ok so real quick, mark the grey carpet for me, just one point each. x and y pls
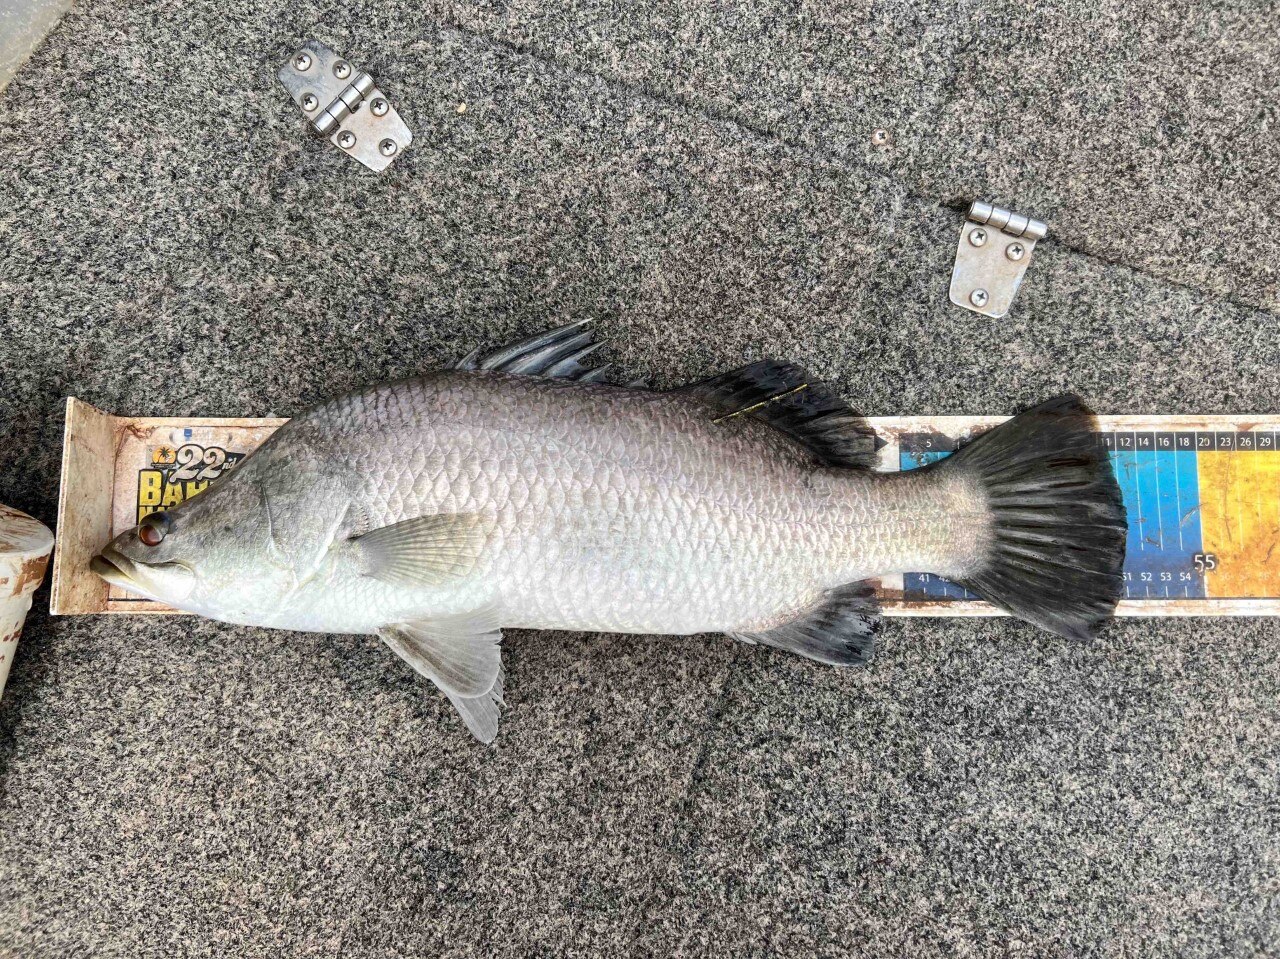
(701, 178)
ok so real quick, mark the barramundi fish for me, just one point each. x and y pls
(516, 489)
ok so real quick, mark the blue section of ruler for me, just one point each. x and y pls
(1159, 481)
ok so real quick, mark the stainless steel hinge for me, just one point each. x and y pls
(345, 105)
(995, 248)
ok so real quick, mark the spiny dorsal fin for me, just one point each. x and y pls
(462, 655)
(840, 630)
(789, 399)
(557, 353)
(425, 551)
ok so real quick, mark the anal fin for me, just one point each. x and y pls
(840, 630)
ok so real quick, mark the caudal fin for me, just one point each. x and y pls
(1058, 524)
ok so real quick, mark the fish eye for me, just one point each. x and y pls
(152, 529)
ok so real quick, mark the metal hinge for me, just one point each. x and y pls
(344, 104)
(995, 248)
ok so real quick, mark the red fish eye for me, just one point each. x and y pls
(150, 535)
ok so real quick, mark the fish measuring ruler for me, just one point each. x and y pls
(1203, 499)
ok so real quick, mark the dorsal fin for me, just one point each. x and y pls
(789, 399)
(839, 630)
(557, 353)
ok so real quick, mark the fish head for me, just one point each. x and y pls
(139, 561)
(215, 554)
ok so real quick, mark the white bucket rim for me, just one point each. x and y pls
(22, 535)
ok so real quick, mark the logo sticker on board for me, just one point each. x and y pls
(178, 473)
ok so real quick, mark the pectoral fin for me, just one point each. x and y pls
(463, 656)
(425, 551)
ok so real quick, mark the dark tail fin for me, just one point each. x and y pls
(1058, 523)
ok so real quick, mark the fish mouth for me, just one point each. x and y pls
(142, 578)
(113, 567)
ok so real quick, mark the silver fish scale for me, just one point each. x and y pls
(623, 510)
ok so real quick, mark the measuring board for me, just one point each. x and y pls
(1202, 494)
